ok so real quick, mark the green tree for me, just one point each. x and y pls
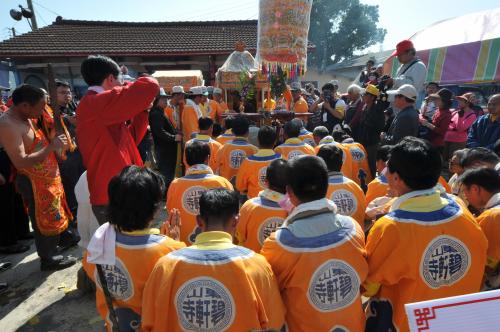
(338, 28)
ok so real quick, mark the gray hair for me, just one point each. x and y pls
(354, 88)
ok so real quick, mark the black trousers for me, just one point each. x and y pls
(13, 217)
(166, 161)
(71, 169)
(371, 150)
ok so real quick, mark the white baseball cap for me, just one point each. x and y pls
(334, 82)
(177, 89)
(218, 91)
(196, 90)
(406, 90)
(204, 90)
(295, 86)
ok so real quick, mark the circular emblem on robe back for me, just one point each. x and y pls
(346, 202)
(294, 153)
(236, 158)
(333, 286)
(357, 154)
(339, 328)
(204, 304)
(191, 199)
(262, 176)
(118, 279)
(267, 227)
(445, 261)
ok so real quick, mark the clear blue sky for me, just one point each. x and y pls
(400, 18)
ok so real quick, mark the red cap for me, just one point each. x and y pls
(402, 46)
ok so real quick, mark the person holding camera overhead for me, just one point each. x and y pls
(332, 107)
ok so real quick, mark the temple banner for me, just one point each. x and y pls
(282, 36)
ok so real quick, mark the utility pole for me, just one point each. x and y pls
(34, 26)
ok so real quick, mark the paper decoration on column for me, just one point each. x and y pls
(282, 36)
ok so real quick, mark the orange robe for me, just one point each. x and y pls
(361, 173)
(226, 137)
(427, 247)
(307, 137)
(348, 197)
(184, 194)
(252, 173)
(346, 155)
(214, 149)
(377, 188)
(489, 221)
(259, 217)
(190, 116)
(126, 279)
(294, 147)
(319, 275)
(231, 155)
(213, 285)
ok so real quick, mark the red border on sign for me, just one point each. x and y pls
(424, 315)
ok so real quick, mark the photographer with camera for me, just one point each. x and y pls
(412, 70)
(332, 108)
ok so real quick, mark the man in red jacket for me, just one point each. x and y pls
(111, 121)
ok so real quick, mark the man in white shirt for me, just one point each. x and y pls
(412, 70)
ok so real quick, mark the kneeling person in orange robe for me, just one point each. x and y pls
(134, 196)
(427, 247)
(184, 193)
(252, 173)
(482, 189)
(321, 137)
(379, 186)
(213, 285)
(205, 136)
(293, 145)
(262, 215)
(344, 192)
(232, 153)
(228, 133)
(317, 256)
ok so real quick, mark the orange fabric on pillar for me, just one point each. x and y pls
(252, 173)
(213, 285)
(126, 279)
(294, 147)
(259, 217)
(231, 155)
(348, 197)
(184, 194)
